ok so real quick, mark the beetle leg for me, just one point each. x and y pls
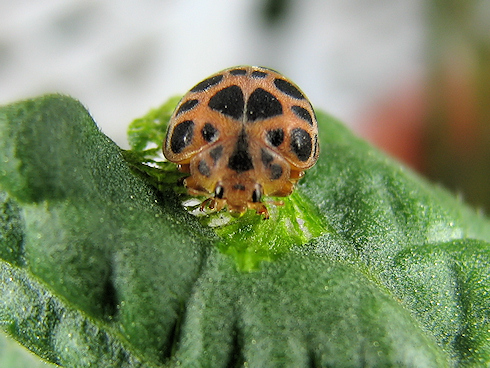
(259, 208)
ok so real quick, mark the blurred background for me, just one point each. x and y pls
(411, 76)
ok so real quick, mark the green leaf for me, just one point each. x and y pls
(148, 132)
(105, 262)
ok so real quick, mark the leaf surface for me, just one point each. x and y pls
(101, 264)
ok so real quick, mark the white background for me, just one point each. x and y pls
(120, 58)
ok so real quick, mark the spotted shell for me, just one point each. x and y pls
(243, 133)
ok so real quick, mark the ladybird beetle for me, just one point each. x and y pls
(243, 133)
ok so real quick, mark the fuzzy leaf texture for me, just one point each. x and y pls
(366, 265)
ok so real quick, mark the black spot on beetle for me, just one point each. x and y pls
(302, 113)
(182, 136)
(262, 105)
(204, 168)
(315, 152)
(285, 87)
(228, 101)
(207, 83)
(219, 191)
(258, 74)
(256, 195)
(276, 171)
(266, 157)
(238, 72)
(209, 132)
(275, 137)
(301, 144)
(216, 153)
(241, 160)
(240, 187)
(186, 106)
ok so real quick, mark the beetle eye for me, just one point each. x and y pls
(219, 191)
(256, 195)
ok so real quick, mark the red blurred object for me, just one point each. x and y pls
(396, 125)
